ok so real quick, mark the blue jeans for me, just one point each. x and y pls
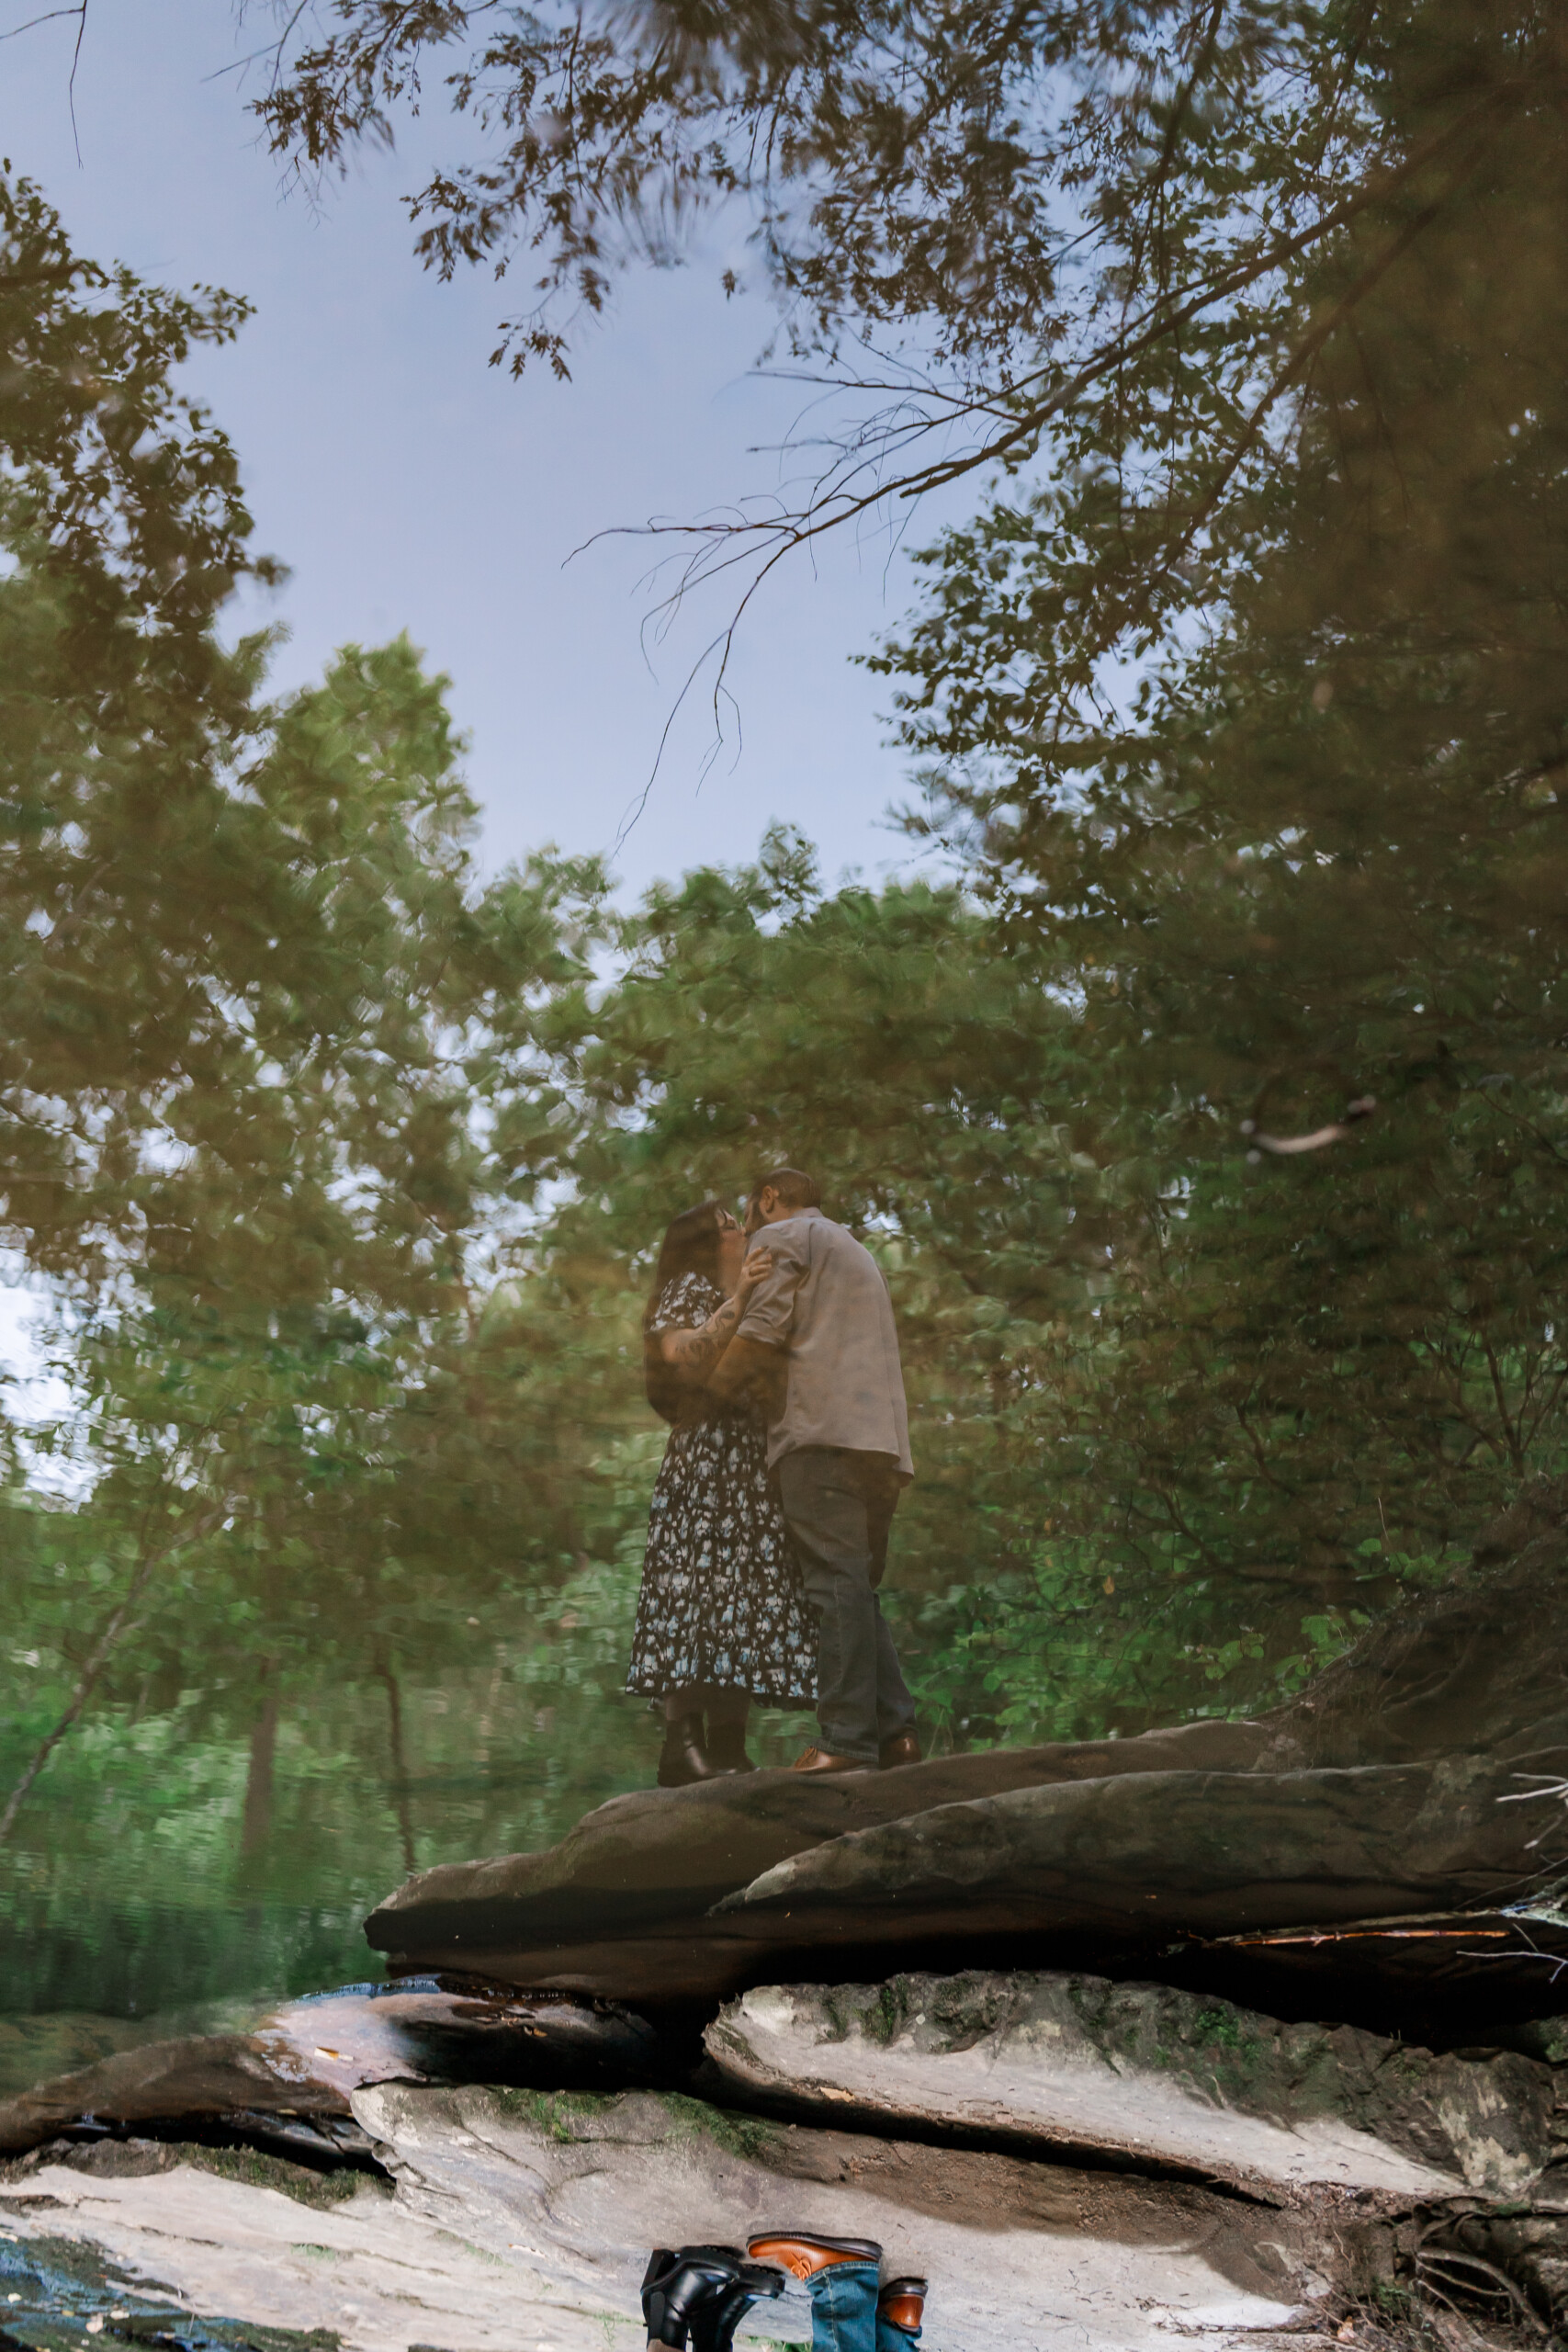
(844, 2317)
(837, 1504)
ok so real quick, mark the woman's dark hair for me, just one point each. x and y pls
(690, 1247)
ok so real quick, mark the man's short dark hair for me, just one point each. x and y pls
(794, 1187)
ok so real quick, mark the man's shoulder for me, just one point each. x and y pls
(837, 1241)
(815, 1237)
(813, 1225)
(788, 1233)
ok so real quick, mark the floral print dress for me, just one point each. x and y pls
(721, 1599)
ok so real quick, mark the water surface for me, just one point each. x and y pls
(191, 1853)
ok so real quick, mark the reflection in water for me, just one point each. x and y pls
(157, 1867)
(51, 2284)
(340, 1162)
(399, 1761)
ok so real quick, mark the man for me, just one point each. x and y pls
(817, 1338)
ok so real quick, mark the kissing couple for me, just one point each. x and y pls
(770, 1348)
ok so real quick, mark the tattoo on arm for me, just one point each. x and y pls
(697, 1352)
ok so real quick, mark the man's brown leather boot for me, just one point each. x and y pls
(803, 2256)
(817, 1759)
(904, 1747)
(903, 2301)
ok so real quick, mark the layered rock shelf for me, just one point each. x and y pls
(1393, 1827)
(513, 2219)
(1064, 2155)
(1162, 2079)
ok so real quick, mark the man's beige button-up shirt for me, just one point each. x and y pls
(825, 1304)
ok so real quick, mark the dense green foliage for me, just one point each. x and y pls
(1244, 714)
(269, 1089)
(1319, 856)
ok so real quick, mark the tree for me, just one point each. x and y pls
(1263, 639)
(1306, 855)
(270, 1081)
(120, 713)
(1082, 237)
(1318, 858)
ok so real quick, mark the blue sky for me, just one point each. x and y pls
(409, 485)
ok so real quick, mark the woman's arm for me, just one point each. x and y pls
(697, 1353)
(753, 1366)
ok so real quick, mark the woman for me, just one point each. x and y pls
(721, 1618)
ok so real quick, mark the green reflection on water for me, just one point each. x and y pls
(179, 1863)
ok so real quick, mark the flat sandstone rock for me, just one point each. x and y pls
(1144, 2072)
(521, 2223)
(1203, 1853)
(302, 2061)
(642, 1870)
(628, 1903)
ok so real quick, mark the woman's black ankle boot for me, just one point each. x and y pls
(716, 2316)
(684, 1759)
(727, 1746)
(680, 2288)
